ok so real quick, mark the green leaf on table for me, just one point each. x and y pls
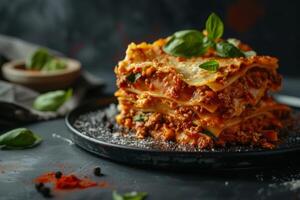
(52, 101)
(210, 65)
(214, 27)
(54, 64)
(19, 138)
(129, 196)
(227, 50)
(186, 43)
(38, 59)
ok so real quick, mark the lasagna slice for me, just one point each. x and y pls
(172, 98)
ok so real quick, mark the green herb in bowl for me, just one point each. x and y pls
(42, 60)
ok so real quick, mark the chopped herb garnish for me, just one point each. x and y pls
(249, 53)
(211, 65)
(140, 117)
(187, 43)
(210, 134)
(129, 196)
(225, 49)
(214, 27)
(234, 41)
(133, 77)
(19, 138)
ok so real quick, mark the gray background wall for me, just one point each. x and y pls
(97, 31)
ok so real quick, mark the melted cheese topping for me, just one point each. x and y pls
(230, 69)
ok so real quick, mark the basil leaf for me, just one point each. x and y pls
(225, 49)
(51, 101)
(38, 59)
(129, 196)
(234, 41)
(54, 64)
(249, 53)
(187, 43)
(140, 117)
(208, 43)
(214, 26)
(19, 138)
(133, 77)
(210, 134)
(210, 65)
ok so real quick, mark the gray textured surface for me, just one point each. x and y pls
(19, 168)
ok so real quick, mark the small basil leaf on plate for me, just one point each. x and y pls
(133, 77)
(208, 43)
(52, 101)
(140, 117)
(234, 41)
(249, 53)
(54, 64)
(214, 27)
(129, 196)
(186, 43)
(210, 134)
(227, 50)
(38, 59)
(19, 138)
(210, 65)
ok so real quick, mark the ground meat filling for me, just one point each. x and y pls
(258, 131)
(171, 86)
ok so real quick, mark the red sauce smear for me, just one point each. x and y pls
(66, 182)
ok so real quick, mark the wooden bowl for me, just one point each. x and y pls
(15, 72)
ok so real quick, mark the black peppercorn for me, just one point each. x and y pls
(104, 118)
(58, 174)
(45, 191)
(97, 171)
(38, 186)
(109, 126)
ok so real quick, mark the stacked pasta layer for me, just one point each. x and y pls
(172, 98)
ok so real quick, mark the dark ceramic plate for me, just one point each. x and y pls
(94, 129)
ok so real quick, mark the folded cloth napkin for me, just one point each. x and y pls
(16, 100)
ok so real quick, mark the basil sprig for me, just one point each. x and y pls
(41, 59)
(186, 43)
(52, 101)
(214, 27)
(189, 43)
(210, 65)
(129, 196)
(19, 138)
